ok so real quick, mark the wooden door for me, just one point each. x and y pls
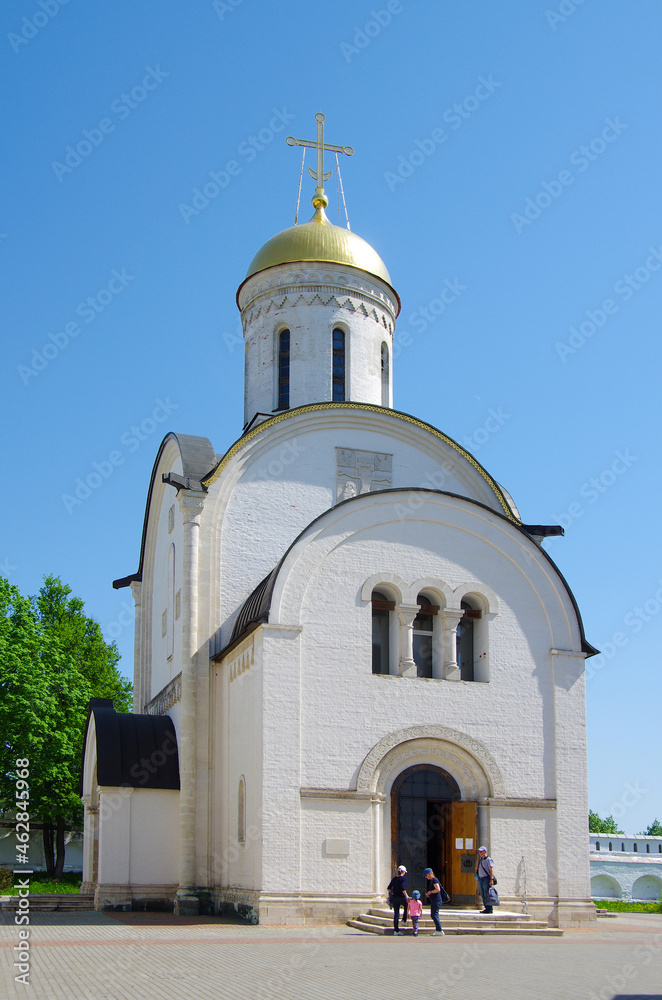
(461, 851)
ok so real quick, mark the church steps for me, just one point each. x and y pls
(380, 921)
(53, 901)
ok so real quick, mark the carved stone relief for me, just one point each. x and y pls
(359, 472)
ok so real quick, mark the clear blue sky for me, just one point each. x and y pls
(464, 117)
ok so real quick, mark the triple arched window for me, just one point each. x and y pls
(429, 640)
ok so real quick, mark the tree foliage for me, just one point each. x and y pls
(654, 830)
(598, 825)
(53, 659)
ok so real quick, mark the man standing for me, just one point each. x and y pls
(485, 872)
(434, 897)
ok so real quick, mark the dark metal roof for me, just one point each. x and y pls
(135, 750)
(198, 460)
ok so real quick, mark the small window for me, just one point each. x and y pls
(423, 628)
(338, 381)
(610, 845)
(597, 845)
(636, 848)
(284, 370)
(381, 621)
(648, 848)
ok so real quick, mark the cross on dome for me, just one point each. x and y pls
(319, 198)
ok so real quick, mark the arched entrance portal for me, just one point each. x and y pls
(431, 828)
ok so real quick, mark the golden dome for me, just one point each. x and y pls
(319, 240)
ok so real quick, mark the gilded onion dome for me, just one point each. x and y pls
(319, 240)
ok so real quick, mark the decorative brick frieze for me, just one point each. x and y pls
(166, 698)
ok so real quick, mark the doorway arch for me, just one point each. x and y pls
(421, 821)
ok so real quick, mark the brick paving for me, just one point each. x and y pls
(93, 956)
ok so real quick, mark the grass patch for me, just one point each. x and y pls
(626, 906)
(70, 882)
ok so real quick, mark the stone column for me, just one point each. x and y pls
(90, 846)
(186, 900)
(406, 617)
(449, 622)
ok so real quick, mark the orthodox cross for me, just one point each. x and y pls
(320, 145)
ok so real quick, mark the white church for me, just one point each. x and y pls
(350, 653)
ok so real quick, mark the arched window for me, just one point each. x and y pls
(423, 628)
(241, 811)
(338, 380)
(381, 614)
(284, 370)
(465, 641)
(385, 375)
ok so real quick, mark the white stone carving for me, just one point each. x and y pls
(450, 740)
(359, 472)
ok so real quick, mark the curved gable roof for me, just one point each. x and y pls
(255, 609)
(504, 499)
(198, 458)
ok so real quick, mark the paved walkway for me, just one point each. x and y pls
(94, 956)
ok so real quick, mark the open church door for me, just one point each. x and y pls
(461, 852)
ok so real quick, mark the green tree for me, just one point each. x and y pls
(53, 659)
(598, 825)
(654, 830)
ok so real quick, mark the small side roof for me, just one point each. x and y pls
(135, 750)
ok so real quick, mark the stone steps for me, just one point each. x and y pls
(455, 921)
(55, 901)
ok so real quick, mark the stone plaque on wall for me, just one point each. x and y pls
(360, 472)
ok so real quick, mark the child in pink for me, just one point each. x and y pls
(414, 909)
